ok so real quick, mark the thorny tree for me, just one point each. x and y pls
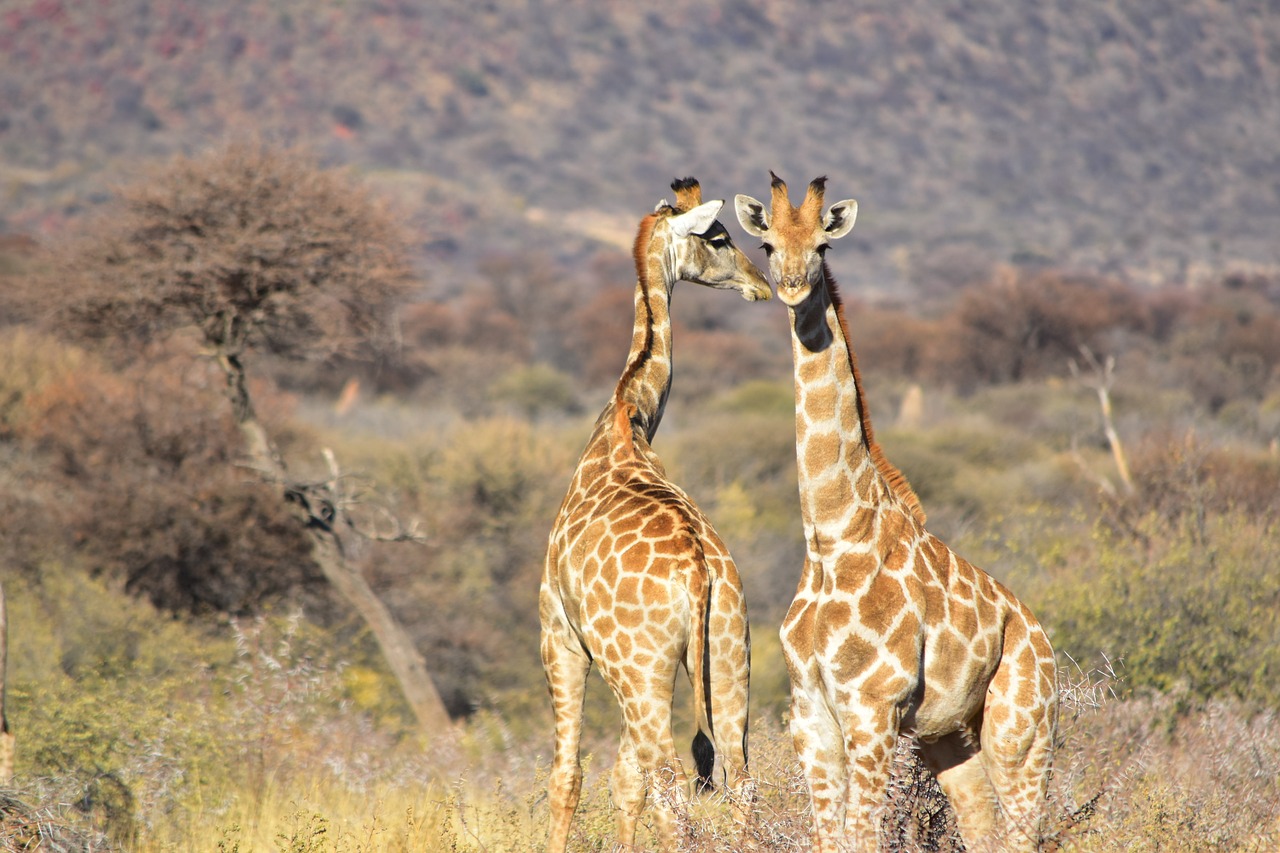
(260, 250)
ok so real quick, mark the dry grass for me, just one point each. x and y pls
(264, 754)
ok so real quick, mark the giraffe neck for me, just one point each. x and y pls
(839, 463)
(646, 381)
(834, 447)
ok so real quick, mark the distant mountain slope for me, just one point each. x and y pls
(1141, 135)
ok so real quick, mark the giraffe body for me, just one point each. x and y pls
(636, 579)
(890, 631)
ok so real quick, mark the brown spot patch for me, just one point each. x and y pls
(797, 628)
(811, 371)
(636, 558)
(832, 618)
(964, 619)
(881, 604)
(853, 571)
(830, 499)
(604, 624)
(671, 546)
(820, 403)
(653, 591)
(626, 522)
(821, 449)
(853, 657)
(629, 618)
(658, 526)
(629, 589)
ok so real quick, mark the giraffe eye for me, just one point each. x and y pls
(718, 242)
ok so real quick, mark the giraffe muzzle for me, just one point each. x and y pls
(792, 289)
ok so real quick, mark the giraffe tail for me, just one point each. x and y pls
(704, 759)
(704, 750)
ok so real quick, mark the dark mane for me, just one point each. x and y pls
(897, 481)
(643, 236)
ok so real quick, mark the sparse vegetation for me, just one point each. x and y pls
(180, 677)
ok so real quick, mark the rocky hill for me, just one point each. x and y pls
(1135, 137)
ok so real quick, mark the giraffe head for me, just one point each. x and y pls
(796, 238)
(698, 247)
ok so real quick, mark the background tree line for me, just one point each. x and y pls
(252, 269)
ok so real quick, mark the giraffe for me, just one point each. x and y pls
(890, 631)
(636, 580)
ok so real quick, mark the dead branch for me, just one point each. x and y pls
(1101, 381)
(7, 744)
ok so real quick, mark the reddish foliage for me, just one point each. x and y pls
(148, 488)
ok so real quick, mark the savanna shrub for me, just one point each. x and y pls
(141, 470)
(1190, 604)
(490, 490)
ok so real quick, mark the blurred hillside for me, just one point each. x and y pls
(1133, 138)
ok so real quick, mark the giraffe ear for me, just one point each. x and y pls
(751, 215)
(839, 219)
(696, 221)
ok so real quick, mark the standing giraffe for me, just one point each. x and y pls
(636, 580)
(890, 630)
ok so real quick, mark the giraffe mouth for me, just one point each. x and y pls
(793, 291)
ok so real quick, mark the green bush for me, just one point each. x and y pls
(535, 389)
(1182, 604)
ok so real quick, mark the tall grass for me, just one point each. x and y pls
(264, 752)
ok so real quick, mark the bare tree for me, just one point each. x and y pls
(259, 250)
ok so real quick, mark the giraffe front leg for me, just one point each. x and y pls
(566, 667)
(816, 736)
(870, 734)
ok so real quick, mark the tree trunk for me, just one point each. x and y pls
(406, 662)
(7, 745)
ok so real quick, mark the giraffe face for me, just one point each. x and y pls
(706, 255)
(796, 239)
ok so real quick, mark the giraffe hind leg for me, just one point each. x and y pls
(730, 667)
(957, 763)
(1019, 755)
(648, 767)
(1017, 737)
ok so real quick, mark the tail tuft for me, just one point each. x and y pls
(704, 757)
